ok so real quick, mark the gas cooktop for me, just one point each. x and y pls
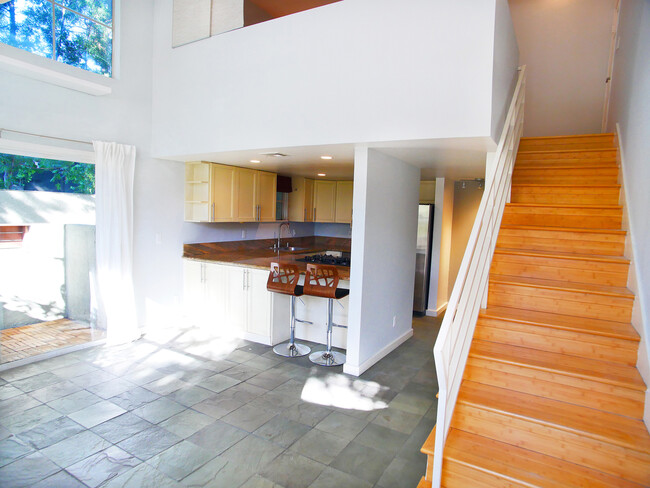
(327, 259)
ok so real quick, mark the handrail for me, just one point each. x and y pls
(452, 346)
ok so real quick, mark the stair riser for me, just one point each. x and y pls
(592, 394)
(581, 218)
(559, 195)
(538, 155)
(568, 446)
(617, 309)
(590, 141)
(572, 270)
(559, 341)
(518, 179)
(562, 241)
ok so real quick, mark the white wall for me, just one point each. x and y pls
(352, 71)
(630, 110)
(386, 192)
(565, 47)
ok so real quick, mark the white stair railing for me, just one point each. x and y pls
(452, 346)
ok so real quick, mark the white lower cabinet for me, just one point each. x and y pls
(232, 300)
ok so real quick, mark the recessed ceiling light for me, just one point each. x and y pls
(254, 161)
(322, 174)
(326, 157)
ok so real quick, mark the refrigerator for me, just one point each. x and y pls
(423, 258)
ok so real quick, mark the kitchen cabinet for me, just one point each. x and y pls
(343, 202)
(324, 201)
(233, 301)
(267, 184)
(198, 191)
(223, 191)
(301, 200)
(255, 193)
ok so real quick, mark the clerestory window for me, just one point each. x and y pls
(74, 32)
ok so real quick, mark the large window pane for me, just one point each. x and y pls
(101, 10)
(27, 24)
(82, 43)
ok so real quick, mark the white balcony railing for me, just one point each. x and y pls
(470, 290)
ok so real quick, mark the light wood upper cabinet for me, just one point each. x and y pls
(344, 202)
(267, 184)
(223, 191)
(198, 192)
(301, 200)
(324, 201)
(245, 195)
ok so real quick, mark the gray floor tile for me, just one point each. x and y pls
(96, 414)
(306, 413)
(218, 382)
(402, 473)
(411, 448)
(190, 395)
(179, 461)
(257, 481)
(333, 478)
(186, 423)
(159, 410)
(292, 470)
(143, 375)
(74, 449)
(100, 467)
(20, 422)
(62, 479)
(94, 378)
(74, 370)
(252, 453)
(11, 449)
(240, 356)
(4, 433)
(166, 385)
(142, 476)
(51, 432)
(134, 398)
(75, 402)
(399, 420)
(122, 427)
(218, 406)
(341, 425)
(320, 446)
(382, 438)
(9, 391)
(22, 372)
(242, 372)
(412, 403)
(111, 388)
(363, 462)
(249, 417)
(55, 391)
(17, 404)
(27, 471)
(274, 402)
(37, 382)
(269, 379)
(149, 442)
(219, 473)
(217, 437)
(262, 363)
(282, 431)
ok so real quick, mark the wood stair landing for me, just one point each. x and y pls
(551, 396)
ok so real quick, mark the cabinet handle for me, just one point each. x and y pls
(212, 218)
(314, 214)
(243, 281)
(259, 213)
(305, 215)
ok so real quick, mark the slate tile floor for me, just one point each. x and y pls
(180, 408)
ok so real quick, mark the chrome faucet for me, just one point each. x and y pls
(279, 245)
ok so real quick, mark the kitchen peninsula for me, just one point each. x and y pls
(225, 289)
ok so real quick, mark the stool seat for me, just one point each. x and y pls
(283, 278)
(341, 293)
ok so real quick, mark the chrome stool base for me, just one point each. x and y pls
(324, 358)
(289, 350)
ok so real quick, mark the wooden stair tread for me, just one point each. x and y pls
(552, 362)
(564, 229)
(562, 255)
(429, 445)
(614, 291)
(586, 165)
(559, 185)
(606, 328)
(522, 465)
(595, 424)
(424, 483)
(564, 150)
(569, 205)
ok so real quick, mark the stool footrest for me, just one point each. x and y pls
(303, 321)
(339, 326)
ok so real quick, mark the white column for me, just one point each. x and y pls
(386, 193)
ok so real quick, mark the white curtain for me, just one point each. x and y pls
(114, 170)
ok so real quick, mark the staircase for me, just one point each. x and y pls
(551, 395)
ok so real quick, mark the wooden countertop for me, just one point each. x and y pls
(257, 253)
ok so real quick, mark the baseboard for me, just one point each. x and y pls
(438, 311)
(359, 370)
(51, 354)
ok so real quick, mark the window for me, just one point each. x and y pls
(74, 32)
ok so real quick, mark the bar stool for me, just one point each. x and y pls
(283, 278)
(322, 281)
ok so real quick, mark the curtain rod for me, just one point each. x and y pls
(47, 137)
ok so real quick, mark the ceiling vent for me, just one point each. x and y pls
(275, 155)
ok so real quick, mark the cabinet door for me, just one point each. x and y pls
(193, 290)
(258, 319)
(246, 195)
(344, 201)
(267, 184)
(198, 191)
(223, 187)
(309, 200)
(237, 299)
(324, 201)
(217, 297)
